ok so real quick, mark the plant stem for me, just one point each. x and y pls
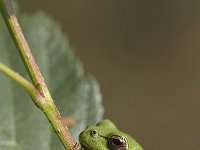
(29, 87)
(47, 107)
(22, 45)
(42, 97)
(31, 90)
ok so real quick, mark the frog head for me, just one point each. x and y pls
(106, 136)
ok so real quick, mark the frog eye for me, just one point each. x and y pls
(116, 142)
(94, 132)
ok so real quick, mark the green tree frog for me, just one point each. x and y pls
(106, 136)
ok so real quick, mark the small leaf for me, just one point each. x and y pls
(76, 93)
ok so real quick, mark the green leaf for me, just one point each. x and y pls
(76, 93)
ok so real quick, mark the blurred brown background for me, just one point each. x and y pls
(146, 56)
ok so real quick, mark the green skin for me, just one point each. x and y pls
(106, 136)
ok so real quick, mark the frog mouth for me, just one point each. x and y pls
(84, 147)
